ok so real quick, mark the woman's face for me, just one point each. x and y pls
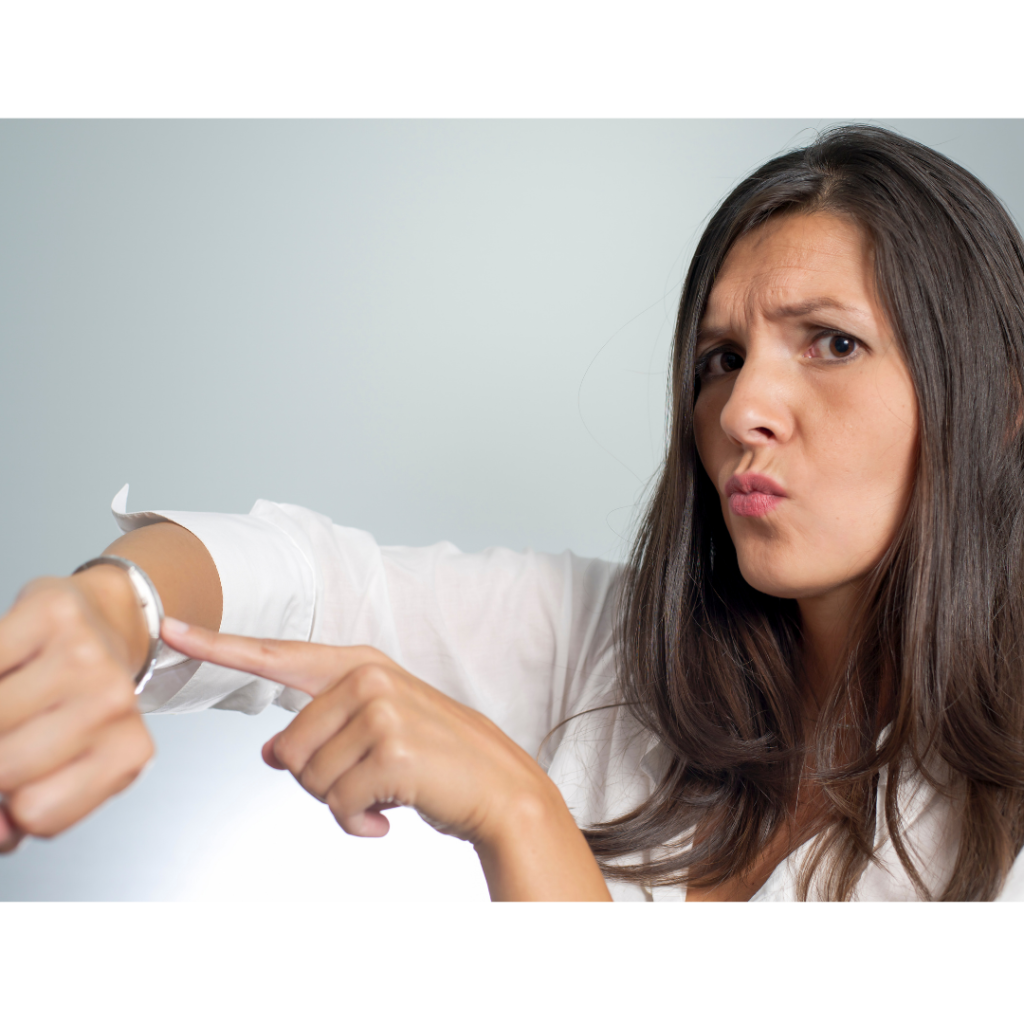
(806, 421)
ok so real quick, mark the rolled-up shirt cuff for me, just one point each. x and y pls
(269, 590)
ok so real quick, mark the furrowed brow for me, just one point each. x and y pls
(708, 332)
(794, 311)
(798, 309)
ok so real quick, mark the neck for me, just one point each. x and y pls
(825, 621)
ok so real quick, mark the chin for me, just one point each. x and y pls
(778, 577)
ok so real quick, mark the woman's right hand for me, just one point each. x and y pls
(375, 736)
(71, 735)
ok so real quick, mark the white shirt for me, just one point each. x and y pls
(524, 638)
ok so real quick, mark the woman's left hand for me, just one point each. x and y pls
(375, 737)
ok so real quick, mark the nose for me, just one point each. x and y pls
(758, 412)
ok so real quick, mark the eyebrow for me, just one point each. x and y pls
(792, 311)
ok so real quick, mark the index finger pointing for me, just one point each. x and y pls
(308, 667)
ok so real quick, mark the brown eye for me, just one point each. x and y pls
(718, 363)
(832, 347)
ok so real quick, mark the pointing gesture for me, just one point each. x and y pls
(374, 737)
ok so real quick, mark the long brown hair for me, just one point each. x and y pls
(710, 665)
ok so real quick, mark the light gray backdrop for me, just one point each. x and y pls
(428, 330)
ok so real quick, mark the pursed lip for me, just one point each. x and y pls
(753, 494)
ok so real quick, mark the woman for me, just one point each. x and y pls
(805, 685)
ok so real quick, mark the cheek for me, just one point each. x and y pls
(865, 454)
(707, 431)
(876, 439)
(889, 472)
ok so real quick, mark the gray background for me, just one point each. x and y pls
(426, 329)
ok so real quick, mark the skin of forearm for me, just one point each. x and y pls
(539, 854)
(182, 571)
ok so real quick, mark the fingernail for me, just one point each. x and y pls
(175, 627)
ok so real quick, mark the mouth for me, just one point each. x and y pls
(751, 494)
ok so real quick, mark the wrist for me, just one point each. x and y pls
(112, 598)
(536, 851)
(523, 812)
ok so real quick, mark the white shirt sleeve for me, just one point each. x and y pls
(525, 638)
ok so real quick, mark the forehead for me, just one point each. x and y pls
(791, 259)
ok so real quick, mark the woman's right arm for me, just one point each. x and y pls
(71, 735)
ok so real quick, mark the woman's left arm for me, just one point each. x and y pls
(374, 737)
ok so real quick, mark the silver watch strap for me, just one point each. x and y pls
(152, 609)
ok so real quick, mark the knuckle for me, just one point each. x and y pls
(125, 779)
(134, 748)
(310, 780)
(381, 717)
(368, 654)
(288, 752)
(141, 747)
(31, 815)
(371, 681)
(62, 607)
(116, 700)
(394, 753)
(337, 799)
(86, 656)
